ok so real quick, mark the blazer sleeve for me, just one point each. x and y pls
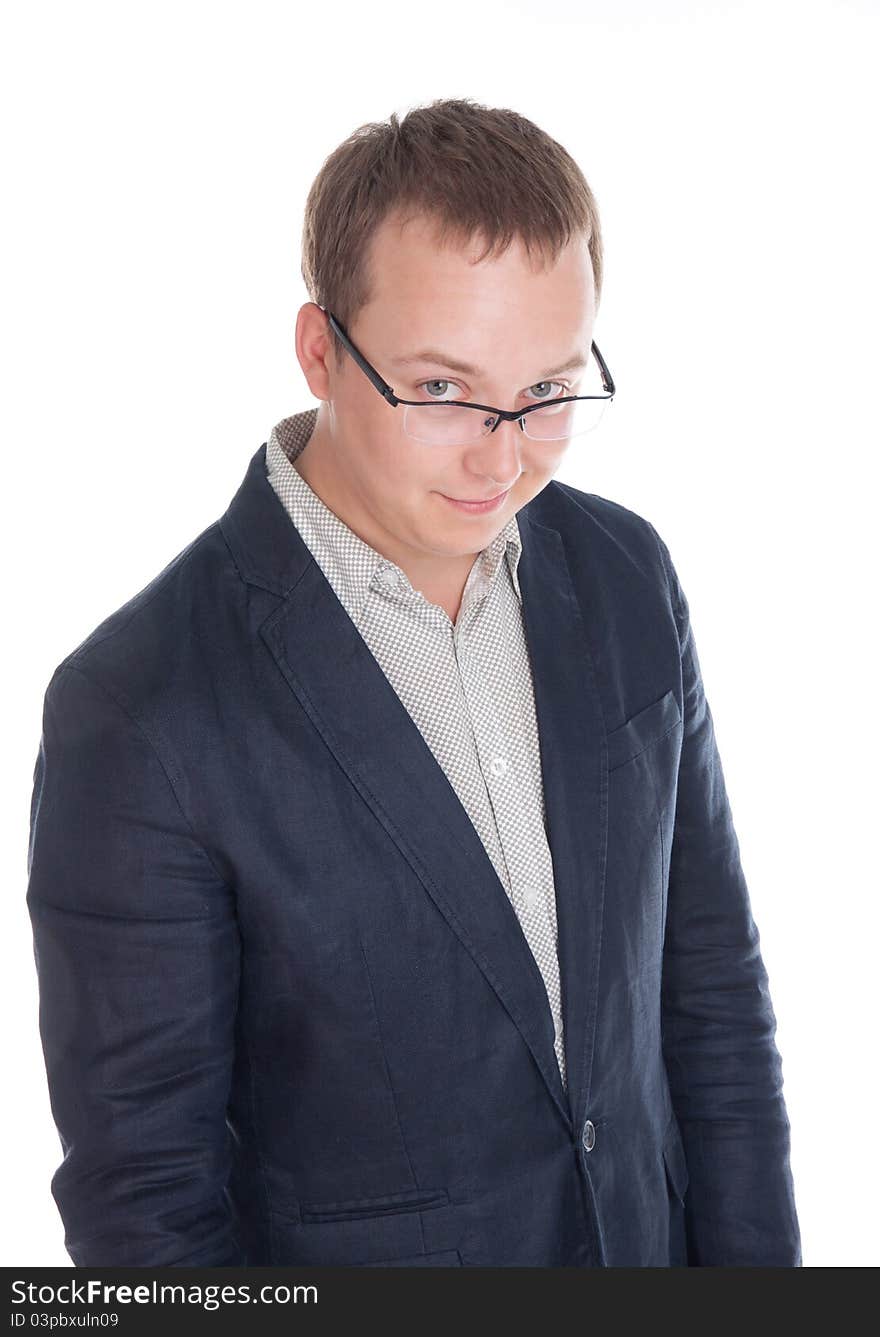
(718, 1022)
(137, 954)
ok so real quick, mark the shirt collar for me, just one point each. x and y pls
(361, 566)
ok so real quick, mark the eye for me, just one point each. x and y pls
(546, 386)
(437, 389)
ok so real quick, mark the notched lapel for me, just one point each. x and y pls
(339, 684)
(571, 727)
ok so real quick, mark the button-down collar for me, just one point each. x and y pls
(359, 565)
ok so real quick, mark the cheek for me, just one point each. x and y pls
(407, 463)
(537, 472)
(548, 459)
(388, 457)
(406, 480)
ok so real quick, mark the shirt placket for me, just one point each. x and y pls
(526, 869)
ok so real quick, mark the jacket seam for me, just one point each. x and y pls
(390, 1082)
(671, 586)
(258, 1155)
(139, 725)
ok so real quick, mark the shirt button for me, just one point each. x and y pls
(589, 1136)
(498, 765)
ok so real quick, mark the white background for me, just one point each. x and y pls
(156, 161)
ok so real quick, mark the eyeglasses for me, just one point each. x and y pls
(454, 422)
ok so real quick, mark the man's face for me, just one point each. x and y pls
(508, 321)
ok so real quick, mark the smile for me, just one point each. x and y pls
(477, 507)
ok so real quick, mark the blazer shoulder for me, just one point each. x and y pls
(611, 514)
(631, 535)
(138, 645)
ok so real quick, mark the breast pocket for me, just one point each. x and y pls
(642, 730)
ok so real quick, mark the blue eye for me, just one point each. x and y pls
(550, 384)
(430, 392)
(439, 390)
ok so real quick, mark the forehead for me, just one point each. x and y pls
(440, 357)
(409, 248)
(427, 297)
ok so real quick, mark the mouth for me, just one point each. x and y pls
(480, 505)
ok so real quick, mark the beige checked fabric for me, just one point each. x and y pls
(466, 684)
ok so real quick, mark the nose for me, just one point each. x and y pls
(503, 439)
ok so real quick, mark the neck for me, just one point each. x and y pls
(440, 578)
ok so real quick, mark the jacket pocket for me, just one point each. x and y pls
(647, 726)
(444, 1258)
(351, 1209)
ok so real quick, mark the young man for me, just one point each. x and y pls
(386, 897)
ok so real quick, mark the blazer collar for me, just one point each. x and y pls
(338, 683)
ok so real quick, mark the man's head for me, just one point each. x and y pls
(468, 231)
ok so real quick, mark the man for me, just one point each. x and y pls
(386, 899)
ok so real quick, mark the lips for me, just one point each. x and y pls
(475, 501)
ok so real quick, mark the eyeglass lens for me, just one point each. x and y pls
(451, 424)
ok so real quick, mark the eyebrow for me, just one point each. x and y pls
(441, 359)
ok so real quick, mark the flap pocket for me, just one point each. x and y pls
(675, 1161)
(351, 1209)
(647, 726)
(445, 1258)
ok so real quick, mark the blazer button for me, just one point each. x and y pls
(588, 1138)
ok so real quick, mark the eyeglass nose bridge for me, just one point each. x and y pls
(507, 415)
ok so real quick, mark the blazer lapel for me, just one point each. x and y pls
(571, 727)
(337, 681)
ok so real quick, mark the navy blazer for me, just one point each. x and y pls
(287, 1010)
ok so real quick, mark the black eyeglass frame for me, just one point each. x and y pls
(502, 415)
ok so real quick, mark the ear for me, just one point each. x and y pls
(314, 350)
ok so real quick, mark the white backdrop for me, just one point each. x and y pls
(157, 159)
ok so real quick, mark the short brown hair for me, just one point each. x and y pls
(470, 168)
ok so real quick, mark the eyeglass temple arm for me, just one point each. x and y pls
(607, 379)
(381, 385)
(385, 389)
